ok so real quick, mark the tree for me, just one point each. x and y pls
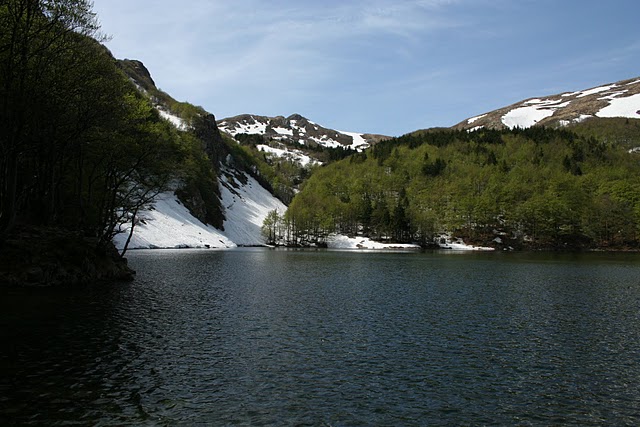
(39, 43)
(270, 227)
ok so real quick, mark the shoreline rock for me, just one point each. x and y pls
(53, 257)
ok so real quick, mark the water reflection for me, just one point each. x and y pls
(263, 337)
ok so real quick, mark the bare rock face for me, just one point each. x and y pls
(138, 72)
(206, 129)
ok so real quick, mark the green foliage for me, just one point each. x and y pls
(540, 187)
(81, 149)
(281, 176)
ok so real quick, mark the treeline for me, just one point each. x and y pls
(536, 187)
(80, 148)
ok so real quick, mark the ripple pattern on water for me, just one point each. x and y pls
(263, 337)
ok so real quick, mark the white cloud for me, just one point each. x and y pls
(340, 58)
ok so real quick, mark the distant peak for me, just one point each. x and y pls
(621, 99)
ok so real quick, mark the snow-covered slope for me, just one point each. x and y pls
(244, 203)
(621, 99)
(246, 206)
(296, 130)
(170, 225)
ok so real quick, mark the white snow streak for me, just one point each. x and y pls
(359, 143)
(170, 225)
(475, 119)
(595, 90)
(246, 207)
(173, 119)
(622, 107)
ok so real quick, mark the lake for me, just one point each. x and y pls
(330, 338)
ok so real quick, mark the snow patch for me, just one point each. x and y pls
(622, 107)
(250, 128)
(613, 95)
(170, 225)
(295, 155)
(475, 119)
(359, 143)
(325, 141)
(246, 207)
(173, 119)
(580, 119)
(446, 242)
(338, 241)
(283, 131)
(525, 117)
(532, 112)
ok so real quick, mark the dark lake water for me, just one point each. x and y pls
(266, 337)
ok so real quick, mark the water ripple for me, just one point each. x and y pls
(260, 337)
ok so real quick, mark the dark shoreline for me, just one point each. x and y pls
(53, 257)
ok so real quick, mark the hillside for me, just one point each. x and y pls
(297, 130)
(536, 188)
(620, 99)
(380, 192)
(223, 205)
(295, 139)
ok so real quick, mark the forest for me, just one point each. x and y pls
(535, 188)
(82, 150)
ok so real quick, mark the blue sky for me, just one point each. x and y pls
(377, 66)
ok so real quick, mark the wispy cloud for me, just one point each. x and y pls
(338, 57)
(249, 43)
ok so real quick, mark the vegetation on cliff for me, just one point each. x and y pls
(82, 151)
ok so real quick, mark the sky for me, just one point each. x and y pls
(373, 66)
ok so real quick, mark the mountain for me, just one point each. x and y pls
(620, 99)
(226, 202)
(555, 172)
(410, 188)
(297, 130)
(296, 138)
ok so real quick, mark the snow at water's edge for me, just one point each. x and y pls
(336, 241)
(246, 207)
(445, 241)
(170, 225)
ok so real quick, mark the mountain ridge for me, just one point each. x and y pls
(223, 206)
(618, 99)
(297, 129)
